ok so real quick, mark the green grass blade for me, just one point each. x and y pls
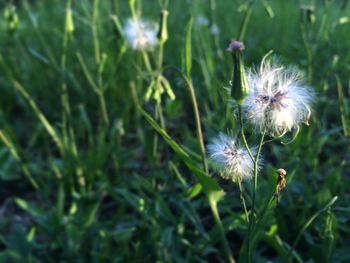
(210, 187)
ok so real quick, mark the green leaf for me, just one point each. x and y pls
(210, 187)
(33, 211)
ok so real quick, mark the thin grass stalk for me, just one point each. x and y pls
(198, 122)
(252, 220)
(241, 196)
(309, 54)
(262, 214)
(245, 22)
(101, 93)
(240, 117)
(227, 250)
(216, 36)
(308, 223)
(15, 155)
(49, 128)
(64, 93)
(94, 21)
(97, 88)
(342, 105)
(39, 35)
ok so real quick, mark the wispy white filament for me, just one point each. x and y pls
(140, 35)
(231, 160)
(278, 101)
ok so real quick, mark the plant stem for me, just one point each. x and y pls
(245, 22)
(242, 132)
(95, 32)
(12, 149)
(243, 199)
(198, 122)
(218, 222)
(261, 216)
(252, 215)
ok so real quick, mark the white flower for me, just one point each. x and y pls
(231, 160)
(201, 20)
(278, 100)
(214, 30)
(140, 35)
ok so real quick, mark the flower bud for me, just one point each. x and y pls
(69, 21)
(308, 13)
(163, 29)
(11, 18)
(239, 88)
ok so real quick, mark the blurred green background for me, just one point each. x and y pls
(85, 178)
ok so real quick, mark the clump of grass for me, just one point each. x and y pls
(85, 178)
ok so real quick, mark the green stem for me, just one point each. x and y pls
(262, 214)
(103, 108)
(198, 122)
(242, 132)
(15, 154)
(95, 32)
(241, 195)
(220, 227)
(252, 220)
(147, 61)
(309, 52)
(245, 22)
(160, 56)
(64, 92)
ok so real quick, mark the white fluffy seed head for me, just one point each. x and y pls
(230, 159)
(140, 35)
(278, 101)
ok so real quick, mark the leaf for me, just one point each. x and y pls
(210, 187)
(33, 211)
(194, 191)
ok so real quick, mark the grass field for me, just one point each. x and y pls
(102, 147)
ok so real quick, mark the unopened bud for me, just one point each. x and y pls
(163, 28)
(240, 88)
(309, 13)
(11, 18)
(69, 21)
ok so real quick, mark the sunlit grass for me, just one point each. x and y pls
(102, 153)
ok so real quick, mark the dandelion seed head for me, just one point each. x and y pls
(214, 29)
(230, 159)
(278, 101)
(201, 20)
(140, 35)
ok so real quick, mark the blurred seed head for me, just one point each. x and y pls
(278, 100)
(214, 29)
(201, 20)
(140, 35)
(230, 159)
